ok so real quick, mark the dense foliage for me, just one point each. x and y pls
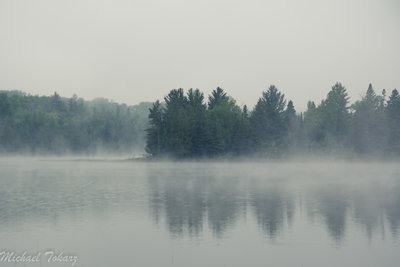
(52, 124)
(188, 127)
(185, 125)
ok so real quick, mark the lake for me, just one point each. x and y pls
(72, 212)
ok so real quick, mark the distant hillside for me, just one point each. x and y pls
(58, 125)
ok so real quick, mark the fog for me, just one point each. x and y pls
(92, 167)
(335, 212)
(130, 51)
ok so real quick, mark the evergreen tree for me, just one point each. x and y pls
(155, 133)
(267, 121)
(291, 124)
(196, 110)
(221, 121)
(177, 124)
(369, 123)
(336, 115)
(259, 126)
(290, 114)
(5, 109)
(218, 96)
(245, 112)
(393, 115)
(241, 134)
(326, 126)
(314, 126)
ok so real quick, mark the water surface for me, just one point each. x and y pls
(124, 213)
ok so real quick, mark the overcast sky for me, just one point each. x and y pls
(133, 51)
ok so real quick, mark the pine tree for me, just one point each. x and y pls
(177, 125)
(221, 122)
(217, 97)
(155, 134)
(267, 121)
(196, 110)
(336, 115)
(369, 123)
(393, 115)
(291, 124)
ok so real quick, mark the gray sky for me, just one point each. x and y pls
(133, 51)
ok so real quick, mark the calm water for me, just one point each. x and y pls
(200, 214)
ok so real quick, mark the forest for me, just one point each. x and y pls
(185, 126)
(56, 125)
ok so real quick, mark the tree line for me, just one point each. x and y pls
(184, 125)
(57, 125)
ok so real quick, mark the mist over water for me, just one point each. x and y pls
(122, 213)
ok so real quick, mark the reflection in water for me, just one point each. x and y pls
(184, 206)
(268, 201)
(290, 206)
(331, 203)
(181, 200)
(392, 207)
(187, 197)
(222, 205)
(190, 198)
(368, 206)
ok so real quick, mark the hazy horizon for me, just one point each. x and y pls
(135, 51)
